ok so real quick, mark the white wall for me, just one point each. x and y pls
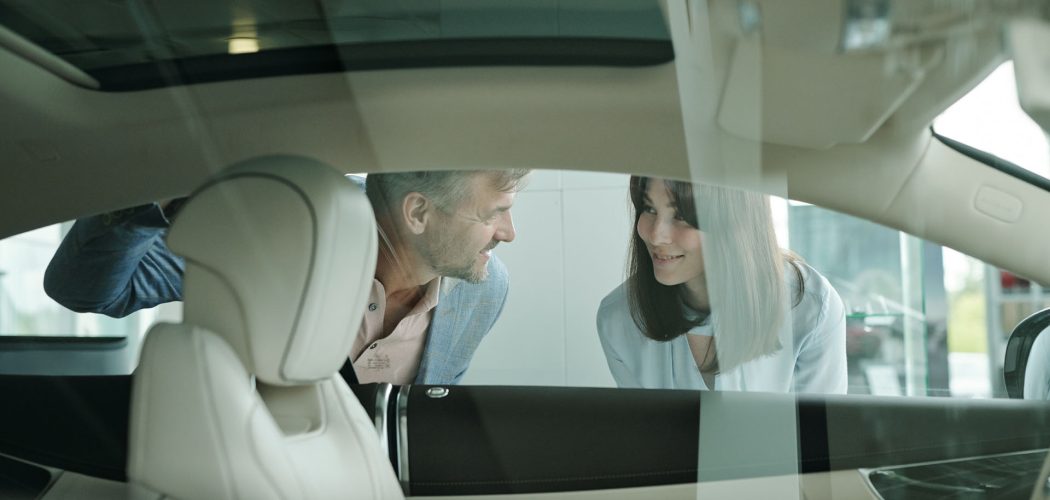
(570, 251)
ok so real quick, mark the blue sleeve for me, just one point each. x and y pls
(115, 264)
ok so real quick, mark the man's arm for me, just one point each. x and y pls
(116, 264)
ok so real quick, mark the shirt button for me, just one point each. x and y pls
(374, 345)
(373, 306)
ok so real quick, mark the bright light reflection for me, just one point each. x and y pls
(989, 118)
(243, 45)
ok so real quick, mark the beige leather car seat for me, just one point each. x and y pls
(243, 400)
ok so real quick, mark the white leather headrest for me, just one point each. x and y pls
(280, 257)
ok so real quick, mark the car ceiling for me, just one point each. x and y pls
(846, 128)
(126, 45)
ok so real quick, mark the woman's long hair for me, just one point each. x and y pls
(743, 268)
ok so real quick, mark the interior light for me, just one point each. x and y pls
(243, 45)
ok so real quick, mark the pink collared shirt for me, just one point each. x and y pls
(394, 359)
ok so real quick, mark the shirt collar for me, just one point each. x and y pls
(694, 315)
(430, 297)
(428, 301)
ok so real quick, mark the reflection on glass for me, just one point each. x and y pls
(884, 278)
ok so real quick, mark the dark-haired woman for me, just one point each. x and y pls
(711, 301)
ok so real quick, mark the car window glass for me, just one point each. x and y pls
(107, 39)
(917, 319)
(26, 310)
(990, 119)
(920, 319)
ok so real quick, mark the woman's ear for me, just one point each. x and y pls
(415, 212)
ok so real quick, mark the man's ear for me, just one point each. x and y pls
(416, 210)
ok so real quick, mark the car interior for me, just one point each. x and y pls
(840, 111)
(259, 411)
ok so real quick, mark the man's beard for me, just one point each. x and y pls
(446, 258)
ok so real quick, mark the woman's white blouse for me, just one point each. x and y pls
(812, 358)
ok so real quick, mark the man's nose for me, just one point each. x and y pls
(505, 232)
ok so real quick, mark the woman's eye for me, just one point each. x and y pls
(649, 210)
(678, 216)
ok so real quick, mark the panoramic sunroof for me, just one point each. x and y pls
(137, 44)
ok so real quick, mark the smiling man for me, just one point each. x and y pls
(438, 289)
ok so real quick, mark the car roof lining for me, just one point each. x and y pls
(135, 46)
(386, 55)
(60, 137)
(995, 162)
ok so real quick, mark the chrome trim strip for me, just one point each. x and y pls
(382, 405)
(402, 438)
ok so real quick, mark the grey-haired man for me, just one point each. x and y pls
(438, 289)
